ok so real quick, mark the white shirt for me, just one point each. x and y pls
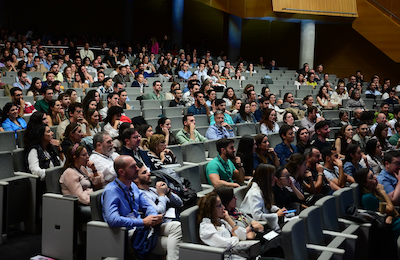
(33, 164)
(105, 165)
(265, 130)
(373, 127)
(253, 204)
(220, 236)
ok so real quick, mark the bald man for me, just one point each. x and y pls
(122, 201)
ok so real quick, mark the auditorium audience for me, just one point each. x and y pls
(164, 128)
(10, 119)
(263, 152)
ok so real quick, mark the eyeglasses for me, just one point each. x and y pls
(285, 177)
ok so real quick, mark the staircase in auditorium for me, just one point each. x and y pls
(377, 25)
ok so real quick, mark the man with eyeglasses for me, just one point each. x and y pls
(390, 176)
(199, 107)
(18, 100)
(131, 142)
(362, 135)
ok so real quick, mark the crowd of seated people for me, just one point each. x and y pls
(100, 147)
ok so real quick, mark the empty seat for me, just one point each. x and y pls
(151, 113)
(274, 139)
(245, 129)
(201, 120)
(7, 141)
(173, 111)
(131, 113)
(150, 104)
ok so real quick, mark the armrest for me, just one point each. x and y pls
(60, 196)
(206, 186)
(337, 234)
(324, 248)
(29, 175)
(189, 164)
(204, 192)
(101, 224)
(349, 222)
(3, 183)
(202, 248)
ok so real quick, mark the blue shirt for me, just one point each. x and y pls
(196, 110)
(283, 152)
(218, 132)
(47, 65)
(118, 211)
(8, 125)
(258, 114)
(227, 118)
(349, 168)
(389, 181)
(184, 75)
(19, 85)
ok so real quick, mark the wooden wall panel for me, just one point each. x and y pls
(345, 8)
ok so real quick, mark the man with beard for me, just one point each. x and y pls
(322, 133)
(104, 156)
(131, 142)
(220, 129)
(221, 105)
(24, 108)
(162, 199)
(221, 170)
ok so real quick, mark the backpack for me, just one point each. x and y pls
(178, 185)
(381, 242)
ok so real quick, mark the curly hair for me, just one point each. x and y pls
(206, 208)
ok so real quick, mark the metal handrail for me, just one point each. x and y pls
(317, 11)
(386, 10)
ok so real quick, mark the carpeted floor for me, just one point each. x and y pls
(20, 245)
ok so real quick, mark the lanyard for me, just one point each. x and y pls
(126, 196)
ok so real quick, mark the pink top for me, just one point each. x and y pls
(75, 183)
(155, 48)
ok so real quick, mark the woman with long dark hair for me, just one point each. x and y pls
(373, 150)
(344, 139)
(40, 153)
(164, 128)
(244, 115)
(10, 119)
(372, 193)
(216, 227)
(381, 133)
(245, 151)
(113, 120)
(268, 122)
(303, 139)
(259, 199)
(263, 152)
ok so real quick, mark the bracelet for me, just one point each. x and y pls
(234, 226)
(252, 228)
(320, 174)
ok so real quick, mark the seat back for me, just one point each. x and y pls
(356, 194)
(177, 150)
(193, 152)
(294, 243)
(329, 214)
(190, 229)
(20, 138)
(52, 179)
(245, 129)
(95, 205)
(19, 160)
(201, 120)
(7, 141)
(191, 173)
(6, 162)
(240, 193)
(344, 198)
(313, 222)
(274, 139)
(212, 148)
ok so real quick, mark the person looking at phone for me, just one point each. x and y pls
(263, 152)
(75, 112)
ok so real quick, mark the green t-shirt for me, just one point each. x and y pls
(223, 169)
